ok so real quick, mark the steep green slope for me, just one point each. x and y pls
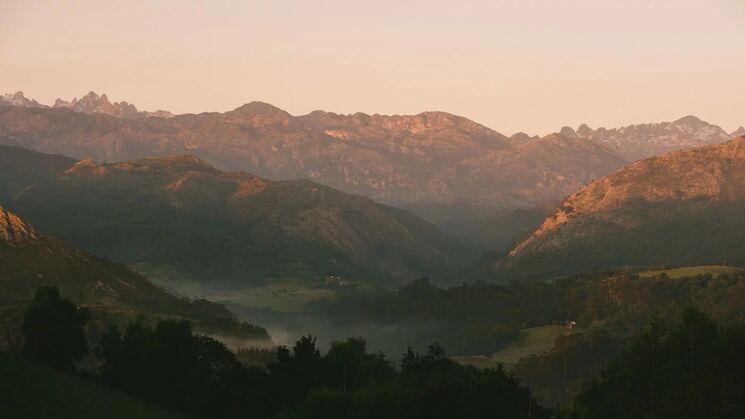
(32, 391)
(29, 259)
(20, 168)
(483, 227)
(182, 213)
(684, 208)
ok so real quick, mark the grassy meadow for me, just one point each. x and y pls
(690, 271)
(533, 341)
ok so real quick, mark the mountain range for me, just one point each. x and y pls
(432, 157)
(90, 103)
(471, 181)
(182, 213)
(681, 208)
(639, 141)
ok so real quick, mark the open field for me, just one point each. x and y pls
(691, 271)
(534, 340)
(284, 297)
(30, 390)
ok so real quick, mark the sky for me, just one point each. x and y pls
(512, 65)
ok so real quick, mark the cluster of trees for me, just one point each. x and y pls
(692, 369)
(53, 330)
(485, 317)
(168, 365)
(557, 376)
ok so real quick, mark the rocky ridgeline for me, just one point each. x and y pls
(13, 230)
(430, 158)
(645, 140)
(683, 207)
(90, 103)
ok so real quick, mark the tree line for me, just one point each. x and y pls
(483, 317)
(168, 365)
(689, 368)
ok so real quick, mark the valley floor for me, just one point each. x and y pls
(533, 341)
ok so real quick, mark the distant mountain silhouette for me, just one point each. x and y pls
(399, 159)
(646, 140)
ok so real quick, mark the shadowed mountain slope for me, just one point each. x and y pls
(182, 213)
(29, 259)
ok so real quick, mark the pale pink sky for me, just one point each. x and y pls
(513, 65)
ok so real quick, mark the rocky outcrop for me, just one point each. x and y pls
(688, 201)
(93, 103)
(18, 99)
(13, 230)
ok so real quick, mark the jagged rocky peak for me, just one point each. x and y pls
(18, 99)
(93, 103)
(89, 100)
(644, 140)
(13, 230)
(584, 131)
(568, 132)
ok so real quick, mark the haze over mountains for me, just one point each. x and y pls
(302, 257)
(432, 157)
(682, 208)
(183, 214)
(469, 180)
(90, 103)
(639, 141)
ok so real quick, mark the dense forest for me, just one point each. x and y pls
(604, 311)
(490, 315)
(688, 368)
(168, 365)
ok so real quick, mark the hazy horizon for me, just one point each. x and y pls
(513, 66)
